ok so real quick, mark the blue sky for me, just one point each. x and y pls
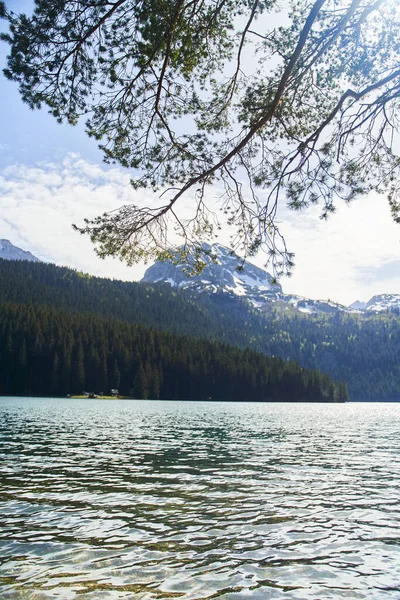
(52, 175)
(32, 136)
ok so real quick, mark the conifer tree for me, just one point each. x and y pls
(312, 119)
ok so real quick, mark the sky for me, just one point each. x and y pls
(52, 175)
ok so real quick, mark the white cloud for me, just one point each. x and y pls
(40, 203)
(336, 258)
(352, 256)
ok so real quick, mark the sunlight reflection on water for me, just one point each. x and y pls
(132, 499)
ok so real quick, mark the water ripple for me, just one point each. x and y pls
(148, 500)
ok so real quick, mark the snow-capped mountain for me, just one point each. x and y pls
(223, 273)
(307, 305)
(227, 273)
(10, 252)
(383, 302)
(379, 303)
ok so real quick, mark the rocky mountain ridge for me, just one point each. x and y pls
(383, 302)
(222, 273)
(10, 252)
(226, 273)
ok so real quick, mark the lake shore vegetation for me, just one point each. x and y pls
(49, 352)
(363, 350)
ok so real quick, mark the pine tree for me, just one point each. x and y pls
(55, 387)
(115, 376)
(78, 370)
(140, 384)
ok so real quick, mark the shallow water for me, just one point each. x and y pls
(143, 500)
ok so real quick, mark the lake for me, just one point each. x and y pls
(153, 500)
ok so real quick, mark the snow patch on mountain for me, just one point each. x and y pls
(383, 302)
(223, 272)
(227, 273)
(379, 303)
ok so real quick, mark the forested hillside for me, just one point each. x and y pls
(152, 305)
(45, 351)
(362, 350)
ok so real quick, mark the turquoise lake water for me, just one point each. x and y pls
(149, 500)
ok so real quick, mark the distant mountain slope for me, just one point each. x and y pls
(159, 306)
(357, 305)
(361, 348)
(379, 304)
(383, 302)
(228, 274)
(222, 273)
(10, 252)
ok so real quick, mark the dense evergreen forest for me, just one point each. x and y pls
(363, 350)
(157, 306)
(47, 351)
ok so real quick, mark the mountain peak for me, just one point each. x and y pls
(378, 304)
(10, 252)
(224, 272)
(357, 305)
(383, 302)
(227, 273)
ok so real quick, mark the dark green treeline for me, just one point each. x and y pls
(363, 350)
(44, 351)
(158, 306)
